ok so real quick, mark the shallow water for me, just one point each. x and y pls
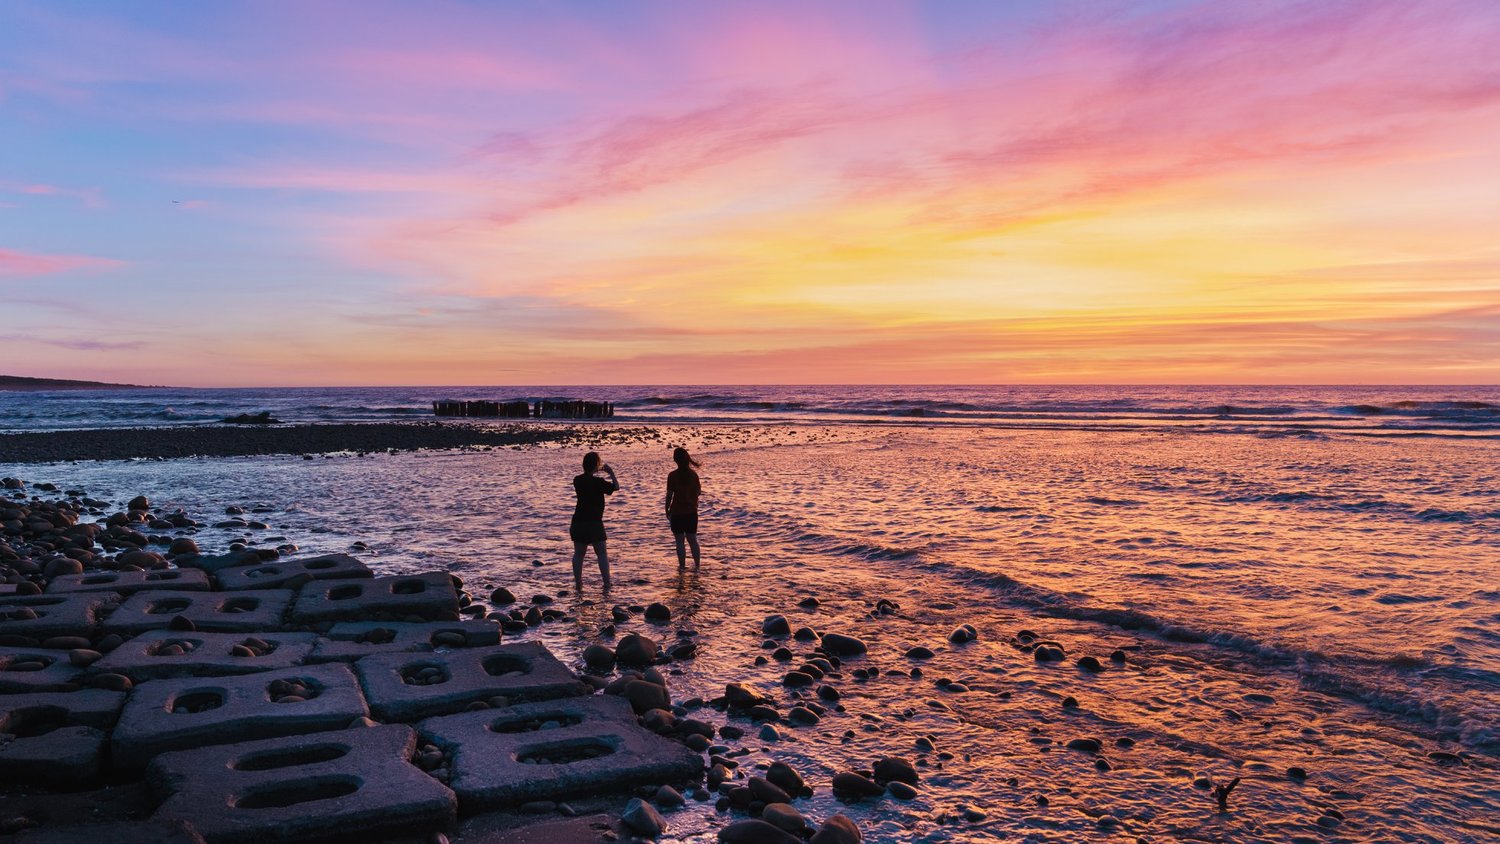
(1329, 603)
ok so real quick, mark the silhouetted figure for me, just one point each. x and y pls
(683, 489)
(588, 516)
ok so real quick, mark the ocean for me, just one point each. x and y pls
(1429, 411)
(1295, 577)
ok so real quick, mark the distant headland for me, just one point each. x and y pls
(17, 382)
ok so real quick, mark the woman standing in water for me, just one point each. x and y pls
(683, 489)
(587, 527)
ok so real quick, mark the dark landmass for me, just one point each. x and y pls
(216, 441)
(19, 382)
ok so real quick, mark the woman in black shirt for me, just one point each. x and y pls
(588, 516)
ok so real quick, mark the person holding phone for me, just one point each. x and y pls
(587, 527)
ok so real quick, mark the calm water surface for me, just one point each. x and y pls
(1328, 601)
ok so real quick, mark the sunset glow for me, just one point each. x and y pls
(553, 193)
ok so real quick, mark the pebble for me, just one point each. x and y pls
(756, 831)
(974, 815)
(919, 652)
(785, 817)
(896, 769)
(775, 625)
(838, 830)
(768, 732)
(668, 797)
(643, 818)
(963, 634)
(599, 657)
(901, 790)
(658, 612)
(785, 777)
(1089, 663)
(856, 785)
(635, 649)
(803, 715)
(840, 645)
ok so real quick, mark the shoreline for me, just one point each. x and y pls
(246, 441)
(222, 697)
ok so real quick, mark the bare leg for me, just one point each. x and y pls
(603, 556)
(681, 551)
(692, 539)
(579, 549)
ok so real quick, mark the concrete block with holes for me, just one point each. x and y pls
(158, 654)
(405, 687)
(431, 597)
(353, 640)
(356, 784)
(37, 670)
(55, 739)
(164, 715)
(276, 574)
(44, 616)
(262, 609)
(130, 582)
(555, 749)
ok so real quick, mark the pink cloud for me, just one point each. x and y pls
(15, 264)
(89, 197)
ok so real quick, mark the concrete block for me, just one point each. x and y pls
(36, 670)
(148, 656)
(164, 715)
(44, 616)
(55, 739)
(212, 611)
(353, 784)
(526, 671)
(555, 749)
(275, 575)
(430, 596)
(130, 582)
(354, 640)
(120, 832)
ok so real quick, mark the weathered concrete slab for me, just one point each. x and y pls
(120, 832)
(430, 596)
(353, 640)
(130, 582)
(63, 757)
(212, 611)
(275, 575)
(44, 616)
(36, 670)
(555, 749)
(165, 715)
(148, 656)
(55, 739)
(525, 671)
(352, 784)
(504, 828)
(87, 707)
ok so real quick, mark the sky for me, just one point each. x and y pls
(360, 193)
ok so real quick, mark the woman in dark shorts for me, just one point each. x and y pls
(587, 527)
(683, 489)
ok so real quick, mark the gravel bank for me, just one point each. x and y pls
(233, 441)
